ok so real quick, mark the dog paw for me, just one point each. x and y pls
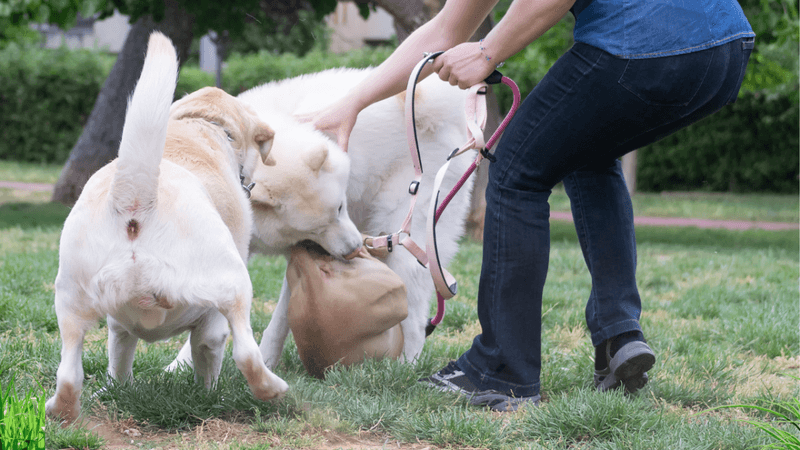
(275, 389)
(264, 384)
(61, 408)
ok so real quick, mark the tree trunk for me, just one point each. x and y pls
(99, 142)
(408, 16)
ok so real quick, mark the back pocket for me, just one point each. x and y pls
(668, 80)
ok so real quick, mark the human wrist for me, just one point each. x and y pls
(488, 55)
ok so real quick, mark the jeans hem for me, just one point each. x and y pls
(610, 331)
(486, 382)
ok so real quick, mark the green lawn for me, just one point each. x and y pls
(720, 310)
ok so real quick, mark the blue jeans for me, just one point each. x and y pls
(590, 109)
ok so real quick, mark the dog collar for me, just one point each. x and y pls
(247, 187)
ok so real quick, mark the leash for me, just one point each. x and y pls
(475, 110)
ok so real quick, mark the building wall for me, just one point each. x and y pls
(107, 35)
(350, 31)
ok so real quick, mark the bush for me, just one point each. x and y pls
(47, 95)
(45, 99)
(191, 79)
(750, 146)
(244, 72)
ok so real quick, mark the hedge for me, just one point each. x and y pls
(752, 146)
(45, 99)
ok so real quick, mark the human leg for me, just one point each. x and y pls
(580, 116)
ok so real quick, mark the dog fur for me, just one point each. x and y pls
(317, 192)
(158, 239)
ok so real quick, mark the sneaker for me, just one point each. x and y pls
(452, 379)
(628, 367)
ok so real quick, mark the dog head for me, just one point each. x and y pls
(343, 311)
(303, 196)
(250, 137)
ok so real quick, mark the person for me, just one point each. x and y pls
(638, 71)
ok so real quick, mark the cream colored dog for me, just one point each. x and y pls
(317, 192)
(158, 239)
(342, 312)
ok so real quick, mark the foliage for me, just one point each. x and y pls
(228, 17)
(22, 420)
(750, 146)
(785, 415)
(245, 72)
(283, 35)
(45, 99)
(774, 62)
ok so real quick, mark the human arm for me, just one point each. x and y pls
(455, 23)
(525, 21)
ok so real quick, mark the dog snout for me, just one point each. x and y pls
(354, 253)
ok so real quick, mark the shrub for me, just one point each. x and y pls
(245, 72)
(45, 99)
(750, 146)
(191, 79)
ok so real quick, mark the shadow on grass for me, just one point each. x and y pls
(32, 215)
(697, 237)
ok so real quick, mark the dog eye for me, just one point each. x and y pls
(228, 133)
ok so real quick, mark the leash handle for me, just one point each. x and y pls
(494, 77)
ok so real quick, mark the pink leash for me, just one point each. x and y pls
(441, 293)
(445, 283)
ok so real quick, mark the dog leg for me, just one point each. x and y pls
(278, 329)
(121, 350)
(207, 343)
(418, 291)
(66, 403)
(184, 357)
(264, 384)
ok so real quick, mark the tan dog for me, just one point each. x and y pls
(158, 240)
(343, 311)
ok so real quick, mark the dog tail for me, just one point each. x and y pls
(145, 132)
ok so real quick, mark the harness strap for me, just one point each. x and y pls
(475, 110)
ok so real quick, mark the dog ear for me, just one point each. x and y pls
(263, 197)
(264, 136)
(315, 158)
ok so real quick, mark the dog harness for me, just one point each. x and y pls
(475, 110)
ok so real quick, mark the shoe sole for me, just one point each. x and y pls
(496, 401)
(629, 367)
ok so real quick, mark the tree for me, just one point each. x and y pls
(181, 20)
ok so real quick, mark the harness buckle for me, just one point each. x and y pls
(247, 188)
(452, 154)
(413, 187)
(487, 155)
(389, 243)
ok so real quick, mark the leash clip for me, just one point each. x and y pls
(452, 154)
(247, 188)
(413, 187)
(487, 155)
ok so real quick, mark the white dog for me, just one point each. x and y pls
(159, 246)
(317, 192)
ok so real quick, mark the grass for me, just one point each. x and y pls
(721, 310)
(29, 172)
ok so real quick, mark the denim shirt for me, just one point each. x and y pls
(635, 29)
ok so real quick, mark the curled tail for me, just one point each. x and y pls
(145, 132)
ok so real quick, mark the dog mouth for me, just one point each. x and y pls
(312, 248)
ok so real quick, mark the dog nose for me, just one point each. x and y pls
(354, 253)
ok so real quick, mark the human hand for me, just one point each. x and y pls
(337, 119)
(464, 65)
